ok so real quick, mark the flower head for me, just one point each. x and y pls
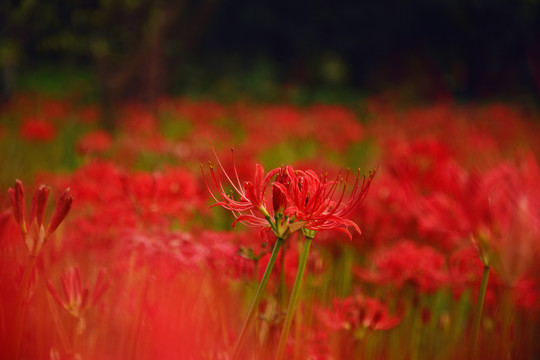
(318, 204)
(298, 200)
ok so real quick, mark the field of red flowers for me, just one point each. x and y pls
(415, 229)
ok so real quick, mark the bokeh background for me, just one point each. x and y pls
(273, 50)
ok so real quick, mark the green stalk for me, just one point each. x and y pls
(282, 287)
(480, 307)
(257, 299)
(294, 299)
(416, 330)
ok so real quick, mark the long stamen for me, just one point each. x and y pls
(234, 168)
(226, 175)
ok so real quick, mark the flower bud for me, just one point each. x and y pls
(60, 211)
(16, 195)
(38, 205)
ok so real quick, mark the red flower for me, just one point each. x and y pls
(317, 204)
(406, 262)
(94, 142)
(250, 197)
(300, 200)
(37, 130)
(506, 231)
(357, 313)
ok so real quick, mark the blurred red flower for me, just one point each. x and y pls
(94, 142)
(34, 129)
(356, 313)
(406, 262)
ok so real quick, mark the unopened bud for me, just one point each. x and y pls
(38, 205)
(60, 211)
(16, 195)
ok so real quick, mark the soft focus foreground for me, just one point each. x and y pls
(131, 263)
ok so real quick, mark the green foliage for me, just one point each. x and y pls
(52, 80)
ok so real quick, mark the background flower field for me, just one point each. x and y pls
(142, 267)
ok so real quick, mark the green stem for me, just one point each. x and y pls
(282, 288)
(416, 330)
(480, 307)
(294, 299)
(257, 299)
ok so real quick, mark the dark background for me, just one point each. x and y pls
(140, 49)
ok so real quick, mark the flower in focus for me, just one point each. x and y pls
(317, 204)
(33, 129)
(298, 200)
(251, 197)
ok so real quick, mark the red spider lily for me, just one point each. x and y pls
(37, 130)
(78, 299)
(406, 262)
(38, 235)
(508, 236)
(252, 196)
(317, 204)
(94, 143)
(465, 270)
(300, 199)
(357, 314)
